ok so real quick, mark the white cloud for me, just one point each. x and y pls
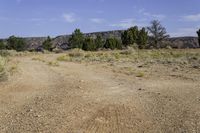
(193, 17)
(155, 16)
(97, 20)
(69, 17)
(151, 15)
(127, 23)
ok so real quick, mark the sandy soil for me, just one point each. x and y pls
(97, 98)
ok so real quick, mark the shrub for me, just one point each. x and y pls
(77, 39)
(16, 43)
(89, 44)
(113, 43)
(4, 53)
(140, 74)
(76, 53)
(63, 58)
(38, 59)
(128, 51)
(47, 45)
(99, 42)
(57, 50)
(2, 67)
(53, 63)
(2, 45)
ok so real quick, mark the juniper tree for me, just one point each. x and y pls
(113, 43)
(16, 43)
(77, 39)
(99, 42)
(142, 38)
(135, 36)
(47, 45)
(130, 36)
(89, 44)
(198, 33)
(157, 32)
(2, 45)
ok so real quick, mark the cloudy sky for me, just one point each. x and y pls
(55, 17)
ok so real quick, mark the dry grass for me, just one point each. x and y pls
(163, 56)
(15, 53)
(134, 62)
(140, 74)
(53, 63)
(2, 68)
(38, 59)
(76, 53)
(13, 68)
(64, 58)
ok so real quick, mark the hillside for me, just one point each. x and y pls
(62, 40)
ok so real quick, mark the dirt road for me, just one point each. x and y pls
(84, 98)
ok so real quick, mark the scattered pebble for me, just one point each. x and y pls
(79, 87)
(140, 66)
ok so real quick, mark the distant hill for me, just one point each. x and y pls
(62, 41)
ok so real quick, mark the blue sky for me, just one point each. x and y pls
(54, 17)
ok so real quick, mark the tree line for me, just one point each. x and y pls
(152, 35)
(132, 36)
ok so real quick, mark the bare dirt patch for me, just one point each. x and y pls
(95, 96)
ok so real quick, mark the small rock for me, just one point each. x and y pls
(140, 66)
(196, 66)
(79, 87)
(29, 110)
(140, 89)
(38, 116)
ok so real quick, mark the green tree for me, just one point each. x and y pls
(130, 36)
(2, 45)
(16, 43)
(77, 39)
(99, 42)
(142, 38)
(47, 45)
(113, 43)
(135, 36)
(158, 32)
(125, 38)
(198, 33)
(89, 44)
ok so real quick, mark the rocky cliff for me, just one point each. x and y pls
(183, 42)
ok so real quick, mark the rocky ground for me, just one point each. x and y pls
(46, 96)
